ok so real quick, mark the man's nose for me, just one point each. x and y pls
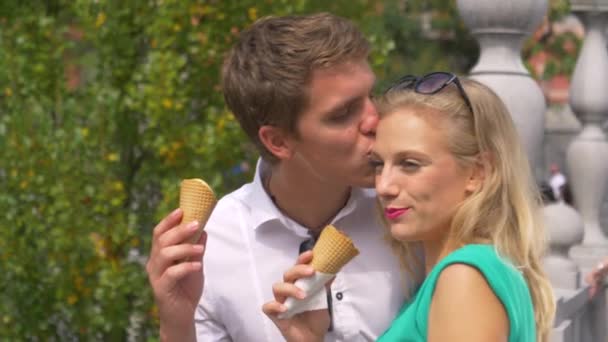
(370, 120)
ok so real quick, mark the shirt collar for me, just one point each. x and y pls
(257, 199)
(264, 212)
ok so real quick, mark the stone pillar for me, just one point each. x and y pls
(561, 127)
(565, 228)
(587, 155)
(501, 27)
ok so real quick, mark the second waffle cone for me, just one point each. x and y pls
(332, 251)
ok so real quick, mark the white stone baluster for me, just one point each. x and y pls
(501, 27)
(565, 228)
(587, 155)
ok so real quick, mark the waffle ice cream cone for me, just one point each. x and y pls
(197, 200)
(332, 251)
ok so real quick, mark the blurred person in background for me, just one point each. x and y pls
(557, 181)
(596, 278)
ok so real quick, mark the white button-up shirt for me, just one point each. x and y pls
(251, 244)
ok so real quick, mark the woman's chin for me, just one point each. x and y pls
(404, 235)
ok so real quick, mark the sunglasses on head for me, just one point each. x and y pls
(430, 84)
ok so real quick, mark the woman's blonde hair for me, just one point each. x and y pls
(506, 209)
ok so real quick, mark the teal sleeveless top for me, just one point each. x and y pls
(505, 280)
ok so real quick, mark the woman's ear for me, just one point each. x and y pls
(277, 141)
(480, 170)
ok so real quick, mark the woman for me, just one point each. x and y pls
(452, 176)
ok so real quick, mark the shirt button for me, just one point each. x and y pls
(339, 296)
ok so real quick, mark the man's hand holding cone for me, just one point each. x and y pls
(175, 268)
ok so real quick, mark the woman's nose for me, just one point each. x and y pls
(385, 185)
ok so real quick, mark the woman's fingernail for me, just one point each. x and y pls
(193, 225)
(174, 213)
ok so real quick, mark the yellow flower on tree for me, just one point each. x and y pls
(252, 13)
(72, 299)
(112, 156)
(101, 19)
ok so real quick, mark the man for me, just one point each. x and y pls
(557, 182)
(299, 86)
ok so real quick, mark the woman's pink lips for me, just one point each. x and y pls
(393, 213)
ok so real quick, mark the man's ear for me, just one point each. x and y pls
(480, 170)
(277, 141)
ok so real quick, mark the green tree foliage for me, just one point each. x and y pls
(428, 36)
(105, 105)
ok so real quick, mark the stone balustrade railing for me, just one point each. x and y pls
(576, 319)
(577, 239)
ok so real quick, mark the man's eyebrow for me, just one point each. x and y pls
(341, 106)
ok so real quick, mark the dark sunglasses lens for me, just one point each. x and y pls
(433, 83)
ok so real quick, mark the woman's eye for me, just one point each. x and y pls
(376, 165)
(409, 165)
